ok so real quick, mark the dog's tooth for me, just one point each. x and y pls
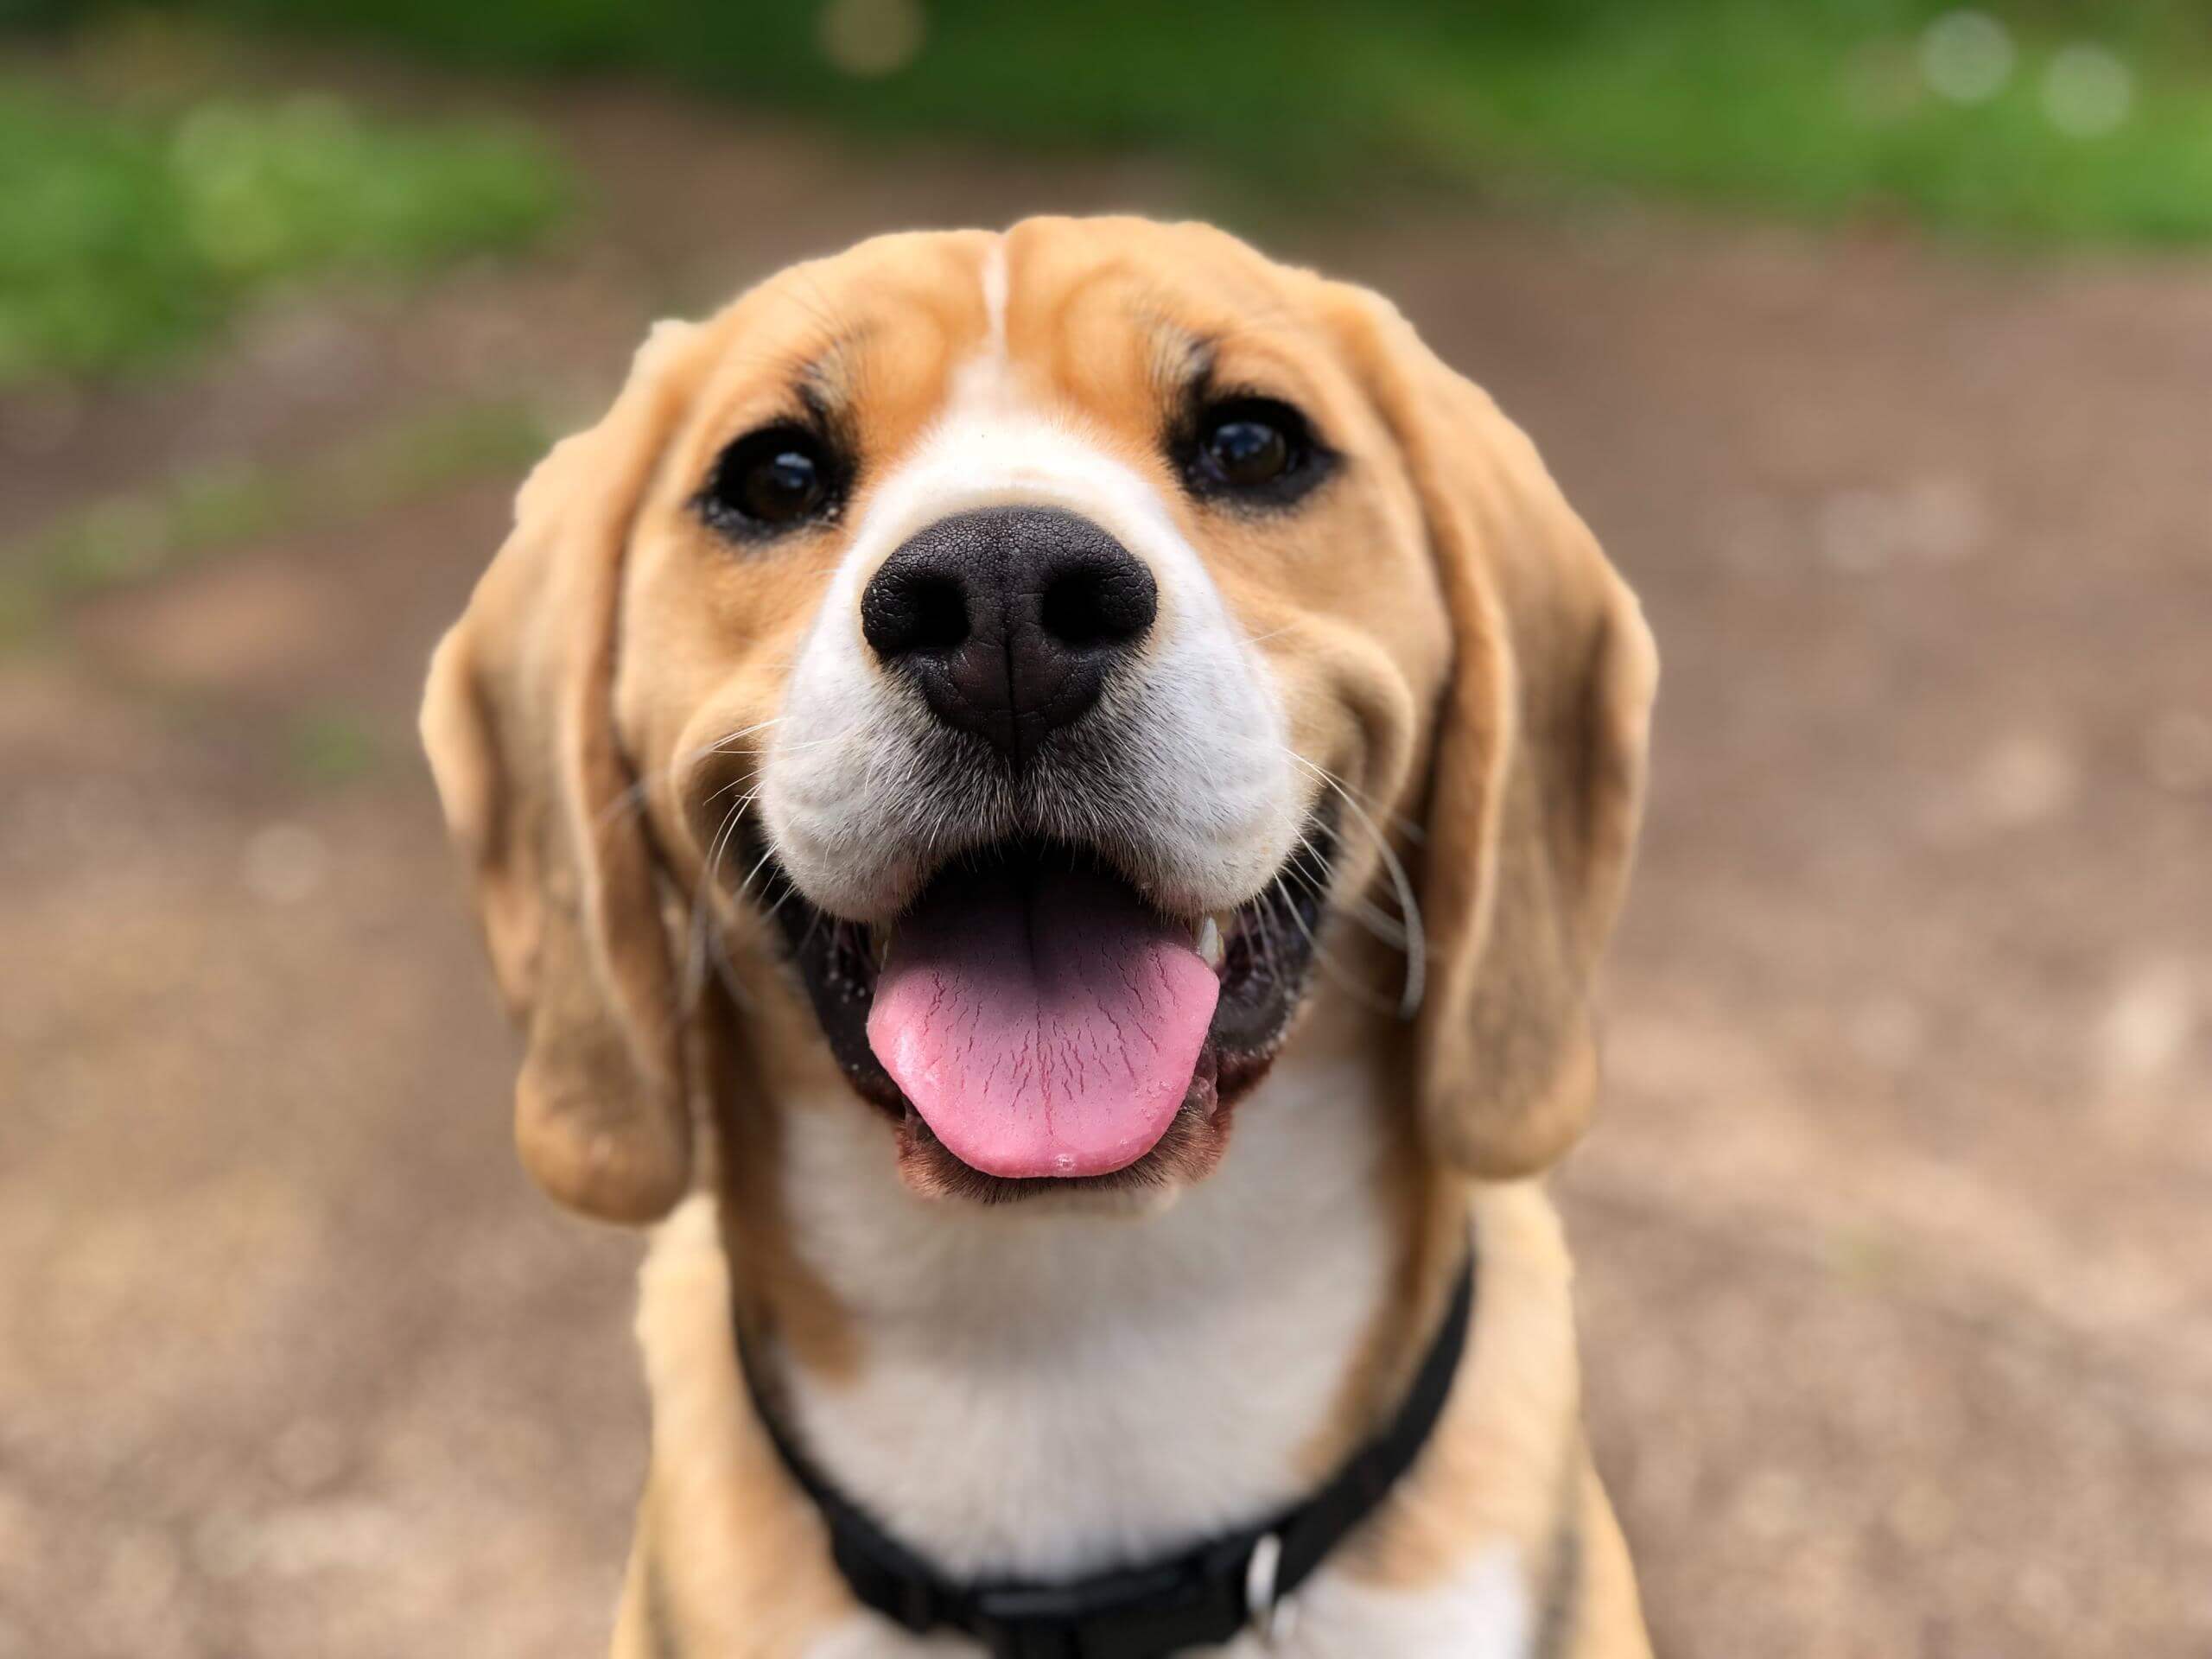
(1208, 944)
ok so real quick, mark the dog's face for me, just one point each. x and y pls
(1015, 652)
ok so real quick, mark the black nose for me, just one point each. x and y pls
(1008, 618)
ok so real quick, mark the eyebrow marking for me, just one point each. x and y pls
(1179, 361)
(823, 383)
(816, 392)
(1198, 359)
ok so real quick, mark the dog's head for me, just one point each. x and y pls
(1018, 651)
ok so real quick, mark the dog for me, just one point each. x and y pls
(1046, 803)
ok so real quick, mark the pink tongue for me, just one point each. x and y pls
(1044, 1024)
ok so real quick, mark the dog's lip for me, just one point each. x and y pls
(1260, 951)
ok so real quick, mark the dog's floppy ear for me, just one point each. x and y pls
(518, 723)
(1536, 778)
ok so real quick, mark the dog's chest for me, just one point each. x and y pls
(1044, 1401)
(1041, 1400)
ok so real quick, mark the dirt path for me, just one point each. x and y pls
(1896, 1231)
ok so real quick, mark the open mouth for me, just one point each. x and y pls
(1031, 1021)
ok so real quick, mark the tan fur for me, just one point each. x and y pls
(1448, 644)
(774, 1288)
(736, 1559)
(1511, 1442)
(1609, 1614)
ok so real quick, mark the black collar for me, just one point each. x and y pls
(1201, 1598)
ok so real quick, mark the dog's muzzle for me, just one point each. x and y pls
(1067, 984)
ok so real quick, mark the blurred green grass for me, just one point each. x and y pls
(160, 528)
(128, 231)
(2100, 130)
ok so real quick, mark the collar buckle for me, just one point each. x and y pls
(1272, 1617)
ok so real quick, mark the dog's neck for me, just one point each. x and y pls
(1043, 1388)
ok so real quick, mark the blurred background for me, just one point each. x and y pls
(1874, 337)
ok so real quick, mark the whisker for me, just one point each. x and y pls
(704, 899)
(1386, 928)
(1416, 945)
(760, 864)
(637, 792)
(1336, 970)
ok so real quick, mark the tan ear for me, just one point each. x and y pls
(518, 721)
(1536, 779)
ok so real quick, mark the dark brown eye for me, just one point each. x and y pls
(1247, 450)
(1253, 448)
(769, 480)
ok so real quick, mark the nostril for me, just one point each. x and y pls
(915, 611)
(939, 607)
(1100, 604)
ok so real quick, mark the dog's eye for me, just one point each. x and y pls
(1250, 445)
(1247, 450)
(770, 480)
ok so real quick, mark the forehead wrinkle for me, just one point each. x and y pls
(802, 286)
(1059, 321)
(916, 336)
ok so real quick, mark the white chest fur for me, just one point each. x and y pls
(1043, 1394)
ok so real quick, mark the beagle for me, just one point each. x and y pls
(1047, 804)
